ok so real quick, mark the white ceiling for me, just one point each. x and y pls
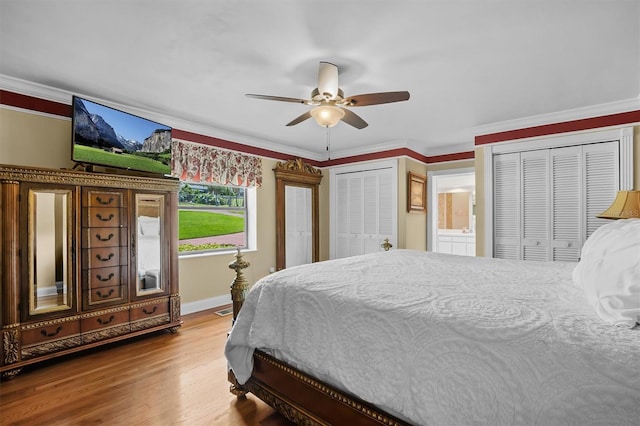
(472, 67)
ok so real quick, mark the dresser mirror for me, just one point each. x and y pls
(297, 214)
(50, 250)
(149, 234)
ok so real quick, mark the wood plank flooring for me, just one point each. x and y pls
(159, 379)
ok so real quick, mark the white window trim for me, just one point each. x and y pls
(624, 135)
(251, 225)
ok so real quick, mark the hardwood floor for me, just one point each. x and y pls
(159, 379)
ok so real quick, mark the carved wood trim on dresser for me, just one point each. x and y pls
(79, 287)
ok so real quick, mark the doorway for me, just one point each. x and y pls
(451, 222)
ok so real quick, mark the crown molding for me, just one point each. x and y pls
(35, 89)
(278, 151)
(557, 117)
(62, 96)
(450, 149)
(370, 149)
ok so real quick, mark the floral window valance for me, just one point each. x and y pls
(203, 163)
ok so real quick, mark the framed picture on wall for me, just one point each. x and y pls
(416, 193)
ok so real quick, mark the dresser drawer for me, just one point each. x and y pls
(98, 198)
(108, 319)
(104, 277)
(104, 237)
(102, 217)
(149, 310)
(104, 257)
(49, 331)
(105, 295)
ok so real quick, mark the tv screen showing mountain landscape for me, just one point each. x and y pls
(113, 138)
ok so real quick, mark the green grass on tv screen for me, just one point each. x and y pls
(87, 154)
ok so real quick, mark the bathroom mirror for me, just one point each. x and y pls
(297, 214)
(455, 210)
(148, 248)
(50, 250)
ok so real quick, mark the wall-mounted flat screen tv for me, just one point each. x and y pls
(112, 138)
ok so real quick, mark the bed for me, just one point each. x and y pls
(409, 337)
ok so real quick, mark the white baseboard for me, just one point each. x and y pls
(204, 304)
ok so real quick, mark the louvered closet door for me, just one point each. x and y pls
(356, 208)
(385, 207)
(343, 218)
(602, 181)
(566, 195)
(535, 204)
(506, 215)
(363, 214)
(546, 201)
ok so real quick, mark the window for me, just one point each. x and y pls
(212, 217)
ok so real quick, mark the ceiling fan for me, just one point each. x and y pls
(330, 103)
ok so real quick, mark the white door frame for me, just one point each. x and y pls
(432, 213)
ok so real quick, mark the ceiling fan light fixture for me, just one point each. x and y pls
(328, 80)
(327, 115)
(328, 100)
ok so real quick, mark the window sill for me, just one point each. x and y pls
(215, 253)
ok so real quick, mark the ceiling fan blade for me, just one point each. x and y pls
(353, 119)
(376, 98)
(300, 118)
(328, 80)
(278, 98)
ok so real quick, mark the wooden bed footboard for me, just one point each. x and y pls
(298, 396)
(305, 400)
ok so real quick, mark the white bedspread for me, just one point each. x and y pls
(447, 340)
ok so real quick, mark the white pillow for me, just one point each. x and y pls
(149, 225)
(609, 271)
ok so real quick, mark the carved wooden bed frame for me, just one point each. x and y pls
(298, 396)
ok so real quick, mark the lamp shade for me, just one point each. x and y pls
(625, 206)
(327, 115)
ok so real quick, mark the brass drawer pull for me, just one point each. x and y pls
(104, 259)
(104, 203)
(45, 334)
(103, 322)
(104, 296)
(99, 237)
(155, 308)
(107, 219)
(99, 277)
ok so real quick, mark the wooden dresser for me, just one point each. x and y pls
(87, 259)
